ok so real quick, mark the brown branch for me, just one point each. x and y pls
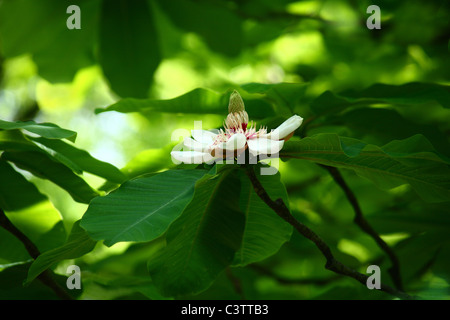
(364, 225)
(331, 263)
(45, 277)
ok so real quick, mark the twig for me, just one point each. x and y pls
(331, 263)
(288, 281)
(237, 285)
(359, 220)
(45, 277)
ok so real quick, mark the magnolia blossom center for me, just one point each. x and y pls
(237, 122)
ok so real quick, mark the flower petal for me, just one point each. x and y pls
(237, 141)
(286, 128)
(194, 145)
(204, 136)
(191, 157)
(234, 146)
(264, 146)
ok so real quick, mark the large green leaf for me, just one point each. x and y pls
(44, 167)
(47, 130)
(16, 192)
(410, 93)
(128, 51)
(78, 244)
(68, 154)
(217, 25)
(265, 232)
(411, 161)
(203, 240)
(141, 209)
(196, 101)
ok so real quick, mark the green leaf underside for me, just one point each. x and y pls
(203, 240)
(75, 159)
(197, 101)
(264, 231)
(140, 209)
(44, 167)
(410, 93)
(411, 161)
(65, 153)
(46, 130)
(128, 58)
(78, 244)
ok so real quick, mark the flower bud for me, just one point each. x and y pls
(236, 103)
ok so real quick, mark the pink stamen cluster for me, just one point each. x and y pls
(237, 123)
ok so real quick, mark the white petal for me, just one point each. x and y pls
(190, 157)
(204, 136)
(264, 146)
(192, 144)
(236, 142)
(286, 128)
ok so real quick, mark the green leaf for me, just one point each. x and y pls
(216, 24)
(47, 130)
(140, 209)
(203, 240)
(67, 153)
(282, 94)
(78, 244)
(384, 125)
(265, 232)
(16, 192)
(407, 94)
(411, 161)
(44, 167)
(128, 49)
(199, 101)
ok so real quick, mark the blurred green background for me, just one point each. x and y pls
(161, 49)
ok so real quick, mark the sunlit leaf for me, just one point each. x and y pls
(47, 130)
(196, 101)
(411, 161)
(140, 209)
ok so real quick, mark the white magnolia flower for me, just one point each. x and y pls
(237, 135)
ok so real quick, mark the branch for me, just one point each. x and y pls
(288, 281)
(364, 225)
(331, 263)
(45, 277)
(235, 282)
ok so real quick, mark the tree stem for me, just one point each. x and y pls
(331, 263)
(364, 225)
(45, 277)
